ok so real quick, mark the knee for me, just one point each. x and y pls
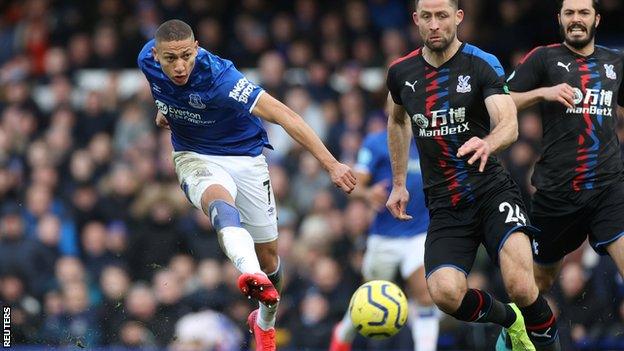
(446, 294)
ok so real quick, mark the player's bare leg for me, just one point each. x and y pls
(449, 290)
(616, 251)
(237, 244)
(545, 275)
(516, 264)
(425, 317)
(447, 287)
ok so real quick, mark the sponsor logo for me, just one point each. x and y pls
(162, 107)
(463, 85)
(182, 114)
(610, 72)
(420, 120)
(599, 101)
(195, 101)
(578, 96)
(442, 122)
(567, 67)
(411, 85)
(242, 90)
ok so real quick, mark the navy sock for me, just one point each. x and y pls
(541, 325)
(276, 277)
(479, 306)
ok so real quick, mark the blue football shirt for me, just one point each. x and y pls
(374, 159)
(211, 113)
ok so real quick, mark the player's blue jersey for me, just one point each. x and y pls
(211, 113)
(374, 159)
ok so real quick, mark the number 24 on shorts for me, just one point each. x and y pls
(513, 215)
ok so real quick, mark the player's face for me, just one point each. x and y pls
(577, 22)
(177, 59)
(437, 22)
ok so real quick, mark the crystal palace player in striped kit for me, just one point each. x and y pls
(449, 90)
(579, 177)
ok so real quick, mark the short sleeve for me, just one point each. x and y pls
(529, 73)
(367, 158)
(232, 90)
(393, 87)
(492, 76)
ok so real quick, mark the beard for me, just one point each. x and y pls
(578, 43)
(439, 46)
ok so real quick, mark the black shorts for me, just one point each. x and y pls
(566, 219)
(454, 234)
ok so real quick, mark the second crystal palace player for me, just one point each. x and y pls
(580, 190)
(449, 90)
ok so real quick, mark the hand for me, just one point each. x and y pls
(397, 203)
(342, 177)
(161, 121)
(481, 149)
(377, 195)
(562, 93)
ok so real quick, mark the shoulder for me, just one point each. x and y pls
(541, 51)
(405, 59)
(491, 60)
(212, 62)
(609, 52)
(146, 57)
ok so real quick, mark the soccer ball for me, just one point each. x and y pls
(378, 309)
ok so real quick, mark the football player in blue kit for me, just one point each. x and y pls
(392, 245)
(214, 113)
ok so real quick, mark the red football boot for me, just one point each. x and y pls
(258, 286)
(265, 339)
(336, 344)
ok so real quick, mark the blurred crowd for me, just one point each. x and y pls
(98, 245)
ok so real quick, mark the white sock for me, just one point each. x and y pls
(266, 316)
(425, 324)
(238, 245)
(346, 332)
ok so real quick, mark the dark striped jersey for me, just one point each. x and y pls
(446, 108)
(580, 148)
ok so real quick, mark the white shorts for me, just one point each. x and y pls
(384, 255)
(246, 178)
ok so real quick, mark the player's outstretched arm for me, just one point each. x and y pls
(272, 110)
(399, 134)
(504, 115)
(562, 93)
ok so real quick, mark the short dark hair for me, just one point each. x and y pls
(173, 30)
(595, 4)
(454, 3)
